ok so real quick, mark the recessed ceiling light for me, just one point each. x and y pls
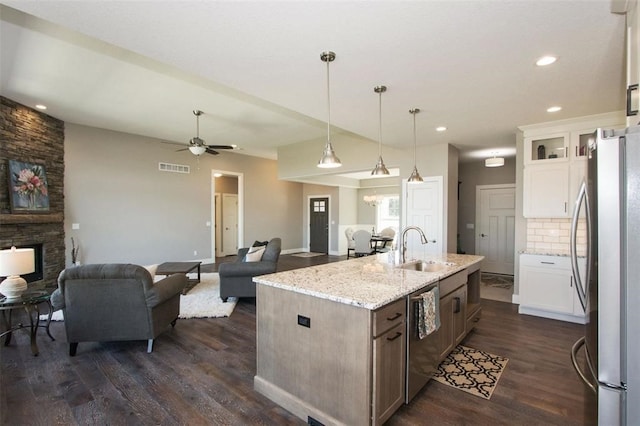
(554, 109)
(42, 107)
(546, 60)
(441, 129)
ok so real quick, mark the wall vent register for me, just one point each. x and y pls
(174, 168)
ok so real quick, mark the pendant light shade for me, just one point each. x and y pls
(380, 168)
(329, 159)
(415, 175)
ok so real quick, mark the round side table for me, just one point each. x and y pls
(29, 301)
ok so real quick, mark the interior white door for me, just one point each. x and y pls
(423, 207)
(495, 224)
(229, 224)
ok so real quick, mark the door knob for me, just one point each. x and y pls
(483, 235)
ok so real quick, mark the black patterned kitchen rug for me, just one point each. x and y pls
(471, 370)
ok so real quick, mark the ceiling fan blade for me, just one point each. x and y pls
(211, 151)
(221, 146)
(183, 149)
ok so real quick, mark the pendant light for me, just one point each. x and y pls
(329, 159)
(380, 168)
(415, 176)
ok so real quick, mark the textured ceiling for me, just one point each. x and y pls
(254, 68)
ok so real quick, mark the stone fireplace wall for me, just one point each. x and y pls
(32, 136)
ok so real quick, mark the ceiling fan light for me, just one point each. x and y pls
(197, 149)
(329, 159)
(494, 162)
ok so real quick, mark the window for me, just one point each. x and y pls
(388, 214)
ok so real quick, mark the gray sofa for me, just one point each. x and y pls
(236, 278)
(116, 302)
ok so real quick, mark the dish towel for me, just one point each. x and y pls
(429, 312)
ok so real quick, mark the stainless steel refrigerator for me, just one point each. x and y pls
(609, 203)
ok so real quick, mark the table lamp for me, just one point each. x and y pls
(13, 263)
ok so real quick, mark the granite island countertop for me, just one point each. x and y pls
(369, 282)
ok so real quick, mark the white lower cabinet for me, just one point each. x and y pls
(547, 288)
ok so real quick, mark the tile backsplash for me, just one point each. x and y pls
(552, 236)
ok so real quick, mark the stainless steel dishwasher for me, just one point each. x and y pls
(422, 354)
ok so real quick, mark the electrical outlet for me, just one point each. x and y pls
(195, 253)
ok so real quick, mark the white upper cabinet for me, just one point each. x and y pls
(555, 159)
(545, 149)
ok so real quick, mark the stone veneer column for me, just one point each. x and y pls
(32, 136)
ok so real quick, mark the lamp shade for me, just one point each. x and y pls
(15, 261)
(494, 162)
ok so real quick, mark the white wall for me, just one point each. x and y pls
(128, 211)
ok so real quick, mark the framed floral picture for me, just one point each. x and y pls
(28, 188)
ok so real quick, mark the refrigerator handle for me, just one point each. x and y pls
(574, 360)
(582, 194)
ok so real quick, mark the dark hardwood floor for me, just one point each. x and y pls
(201, 373)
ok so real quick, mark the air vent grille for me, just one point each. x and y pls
(173, 168)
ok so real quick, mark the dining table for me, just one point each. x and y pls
(379, 242)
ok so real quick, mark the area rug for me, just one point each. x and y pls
(471, 370)
(496, 287)
(307, 254)
(203, 301)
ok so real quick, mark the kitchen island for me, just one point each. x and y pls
(332, 339)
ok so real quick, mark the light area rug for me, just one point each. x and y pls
(307, 254)
(202, 301)
(496, 287)
(471, 370)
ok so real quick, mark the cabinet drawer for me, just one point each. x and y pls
(449, 284)
(389, 316)
(542, 261)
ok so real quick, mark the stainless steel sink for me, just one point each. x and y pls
(426, 266)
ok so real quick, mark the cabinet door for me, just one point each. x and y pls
(546, 191)
(580, 143)
(459, 314)
(551, 148)
(445, 333)
(389, 372)
(549, 289)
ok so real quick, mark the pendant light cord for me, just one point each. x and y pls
(414, 138)
(380, 124)
(328, 106)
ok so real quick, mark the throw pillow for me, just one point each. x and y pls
(260, 243)
(254, 254)
(152, 270)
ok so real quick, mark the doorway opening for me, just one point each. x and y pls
(227, 208)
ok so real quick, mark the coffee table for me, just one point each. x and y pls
(169, 268)
(29, 301)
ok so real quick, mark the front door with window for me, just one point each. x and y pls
(319, 225)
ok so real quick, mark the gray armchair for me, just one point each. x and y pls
(236, 278)
(115, 302)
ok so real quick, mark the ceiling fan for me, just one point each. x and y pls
(197, 145)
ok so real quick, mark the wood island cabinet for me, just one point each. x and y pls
(453, 312)
(389, 360)
(332, 362)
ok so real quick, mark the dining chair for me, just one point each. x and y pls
(362, 240)
(351, 244)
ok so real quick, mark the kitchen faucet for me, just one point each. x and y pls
(403, 240)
